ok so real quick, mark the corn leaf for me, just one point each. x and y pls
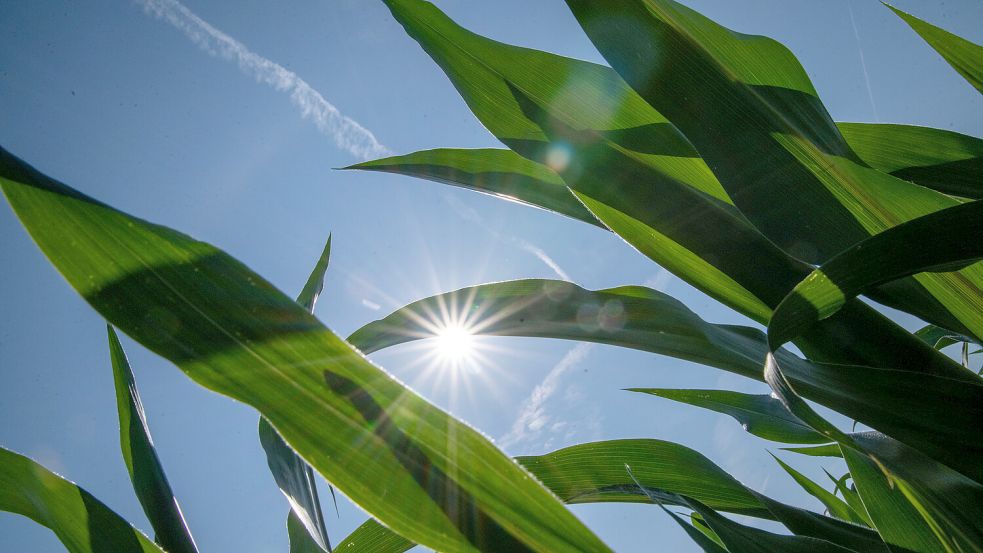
(372, 537)
(826, 450)
(851, 496)
(964, 56)
(501, 173)
(595, 472)
(234, 333)
(701, 525)
(941, 410)
(749, 108)
(744, 539)
(146, 473)
(81, 522)
(942, 160)
(294, 476)
(834, 505)
(761, 415)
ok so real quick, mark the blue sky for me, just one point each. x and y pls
(128, 106)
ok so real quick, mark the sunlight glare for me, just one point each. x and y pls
(455, 343)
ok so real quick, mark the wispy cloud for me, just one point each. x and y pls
(470, 214)
(534, 420)
(347, 133)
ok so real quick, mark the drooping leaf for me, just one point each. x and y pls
(937, 242)
(845, 534)
(964, 56)
(940, 410)
(761, 415)
(701, 537)
(146, 472)
(749, 108)
(939, 338)
(292, 474)
(234, 333)
(501, 173)
(834, 505)
(745, 539)
(939, 159)
(81, 522)
(372, 537)
(595, 472)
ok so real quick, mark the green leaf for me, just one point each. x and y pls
(501, 173)
(940, 410)
(949, 502)
(895, 518)
(744, 539)
(701, 525)
(301, 539)
(595, 472)
(146, 473)
(81, 522)
(834, 505)
(826, 450)
(292, 474)
(942, 160)
(234, 333)
(295, 480)
(700, 536)
(852, 497)
(939, 337)
(761, 415)
(964, 56)
(372, 537)
(937, 242)
(749, 108)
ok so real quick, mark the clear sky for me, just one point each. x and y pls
(129, 107)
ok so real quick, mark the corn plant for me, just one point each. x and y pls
(710, 153)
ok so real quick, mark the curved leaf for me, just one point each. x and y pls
(501, 173)
(761, 415)
(81, 522)
(595, 472)
(234, 333)
(834, 505)
(146, 473)
(942, 160)
(964, 56)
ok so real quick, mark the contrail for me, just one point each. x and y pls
(347, 133)
(863, 63)
(533, 418)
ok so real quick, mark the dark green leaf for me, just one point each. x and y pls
(749, 108)
(701, 525)
(942, 160)
(146, 473)
(234, 333)
(301, 539)
(761, 415)
(81, 522)
(744, 539)
(939, 337)
(964, 56)
(701, 537)
(851, 496)
(834, 505)
(501, 173)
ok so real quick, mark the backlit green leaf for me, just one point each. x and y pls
(146, 473)
(964, 56)
(234, 333)
(81, 522)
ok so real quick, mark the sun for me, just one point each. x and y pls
(455, 343)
